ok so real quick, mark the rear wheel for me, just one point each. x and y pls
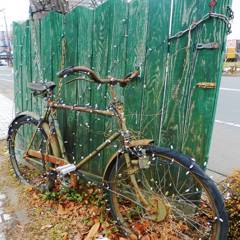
(183, 203)
(30, 170)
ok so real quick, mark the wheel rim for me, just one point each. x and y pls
(190, 209)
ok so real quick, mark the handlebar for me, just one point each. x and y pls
(82, 69)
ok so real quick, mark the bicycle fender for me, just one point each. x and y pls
(20, 114)
(113, 158)
(54, 142)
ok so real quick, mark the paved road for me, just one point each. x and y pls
(225, 149)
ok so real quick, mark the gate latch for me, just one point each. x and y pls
(211, 45)
(206, 85)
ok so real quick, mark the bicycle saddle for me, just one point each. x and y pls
(40, 88)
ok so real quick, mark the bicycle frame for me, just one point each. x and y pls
(55, 139)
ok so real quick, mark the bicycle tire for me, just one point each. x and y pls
(122, 199)
(19, 136)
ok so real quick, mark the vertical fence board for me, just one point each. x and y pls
(37, 75)
(180, 57)
(70, 90)
(57, 42)
(117, 47)
(159, 14)
(26, 67)
(101, 41)
(84, 43)
(17, 63)
(136, 50)
(46, 48)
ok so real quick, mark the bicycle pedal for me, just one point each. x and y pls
(63, 170)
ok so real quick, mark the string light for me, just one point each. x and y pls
(87, 125)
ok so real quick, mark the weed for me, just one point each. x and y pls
(71, 194)
(50, 195)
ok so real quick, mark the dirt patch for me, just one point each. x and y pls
(14, 203)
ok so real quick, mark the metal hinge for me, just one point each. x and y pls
(206, 85)
(211, 45)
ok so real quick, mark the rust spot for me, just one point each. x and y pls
(45, 157)
(212, 4)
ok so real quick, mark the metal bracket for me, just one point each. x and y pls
(211, 45)
(206, 85)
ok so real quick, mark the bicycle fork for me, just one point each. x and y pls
(119, 112)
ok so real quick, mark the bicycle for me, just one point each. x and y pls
(156, 188)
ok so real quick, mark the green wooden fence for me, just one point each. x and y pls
(117, 37)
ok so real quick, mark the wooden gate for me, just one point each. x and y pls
(178, 45)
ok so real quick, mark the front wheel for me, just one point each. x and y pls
(183, 203)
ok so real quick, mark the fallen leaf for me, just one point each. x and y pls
(46, 226)
(146, 237)
(174, 238)
(139, 228)
(61, 209)
(78, 236)
(71, 205)
(29, 189)
(93, 231)
(133, 237)
(154, 236)
(65, 237)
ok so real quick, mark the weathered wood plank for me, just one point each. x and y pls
(37, 75)
(84, 45)
(17, 65)
(70, 90)
(154, 76)
(56, 44)
(117, 50)
(136, 53)
(101, 40)
(58, 58)
(46, 48)
(26, 67)
(177, 76)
